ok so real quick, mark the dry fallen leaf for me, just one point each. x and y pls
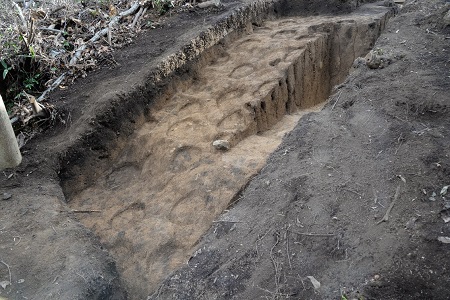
(314, 281)
(444, 190)
(4, 284)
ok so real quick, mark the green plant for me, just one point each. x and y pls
(32, 52)
(6, 69)
(31, 82)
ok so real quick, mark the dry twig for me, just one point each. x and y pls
(386, 215)
(287, 248)
(103, 32)
(83, 211)
(275, 264)
(137, 16)
(335, 102)
(9, 271)
(313, 234)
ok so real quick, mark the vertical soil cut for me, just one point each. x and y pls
(169, 183)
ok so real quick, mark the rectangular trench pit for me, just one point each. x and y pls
(169, 183)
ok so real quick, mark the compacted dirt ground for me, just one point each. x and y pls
(351, 205)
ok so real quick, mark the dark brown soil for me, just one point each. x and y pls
(313, 210)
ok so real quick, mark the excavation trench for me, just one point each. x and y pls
(168, 184)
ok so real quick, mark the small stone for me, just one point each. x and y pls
(373, 60)
(444, 239)
(6, 196)
(376, 277)
(411, 223)
(447, 18)
(221, 145)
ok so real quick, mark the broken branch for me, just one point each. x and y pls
(137, 16)
(103, 32)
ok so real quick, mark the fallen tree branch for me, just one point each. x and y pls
(52, 87)
(103, 32)
(21, 16)
(137, 16)
(386, 215)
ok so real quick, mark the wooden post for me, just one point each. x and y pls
(10, 156)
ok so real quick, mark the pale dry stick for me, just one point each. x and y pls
(275, 265)
(9, 271)
(103, 32)
(145, 11)
(137, 16)
(338, 97)
(20, 13)
(287, 247)
(354, 192)
(52, 87)
(386, 215)
(396, 150)
(313, 234)
(109, 34)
